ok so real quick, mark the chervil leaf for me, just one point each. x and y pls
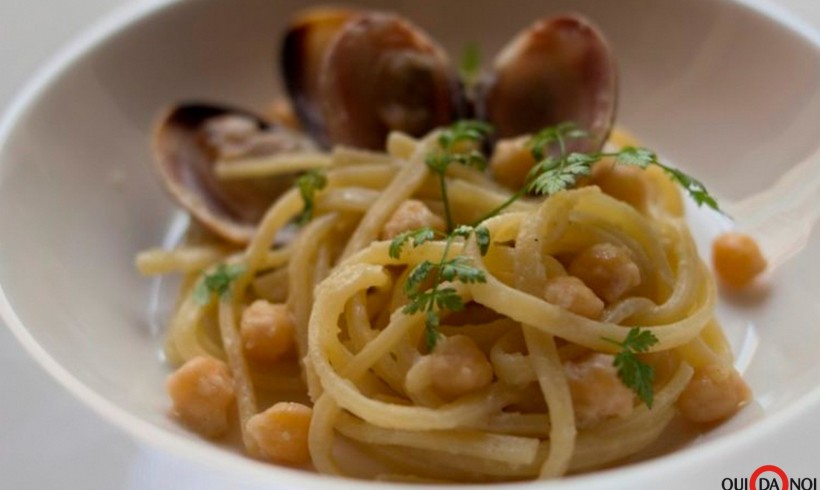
(473, 158)
(463, 130)
(417, 276)
(464, 231)
(482, 237)
(541, 142)
(420, 302)
(694, 187)
(636, 157)
(635, 374)
(308, 183)
(397, 244)
(423, 235)
(551, 162)
(469, 66)
(557, 180)
(217, 282)
(579, 163)
(415, 237)
(438, 162)
(638, 340)
(461, 269)
(448, 299)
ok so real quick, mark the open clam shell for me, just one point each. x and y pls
(379, 73)
(560, 69)
(190, 138)
(304, 46)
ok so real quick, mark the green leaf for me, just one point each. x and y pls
(202, 295)
(217, 282)
(438, 162)
(397, 244)
(542, 141)
(309, 183)
(474, 159)
(551, 162)
(469, 66)
(482, 238)
(462, 269)
(635, 374)
(417, 276)
(693, 187)
(420, 302)
(636, 157)
(448, 299)
(463, 130)
(463, 231)
(423, 235)
(638, 340)
(556, 174)
(416, 237)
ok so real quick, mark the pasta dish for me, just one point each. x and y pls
(440, 275)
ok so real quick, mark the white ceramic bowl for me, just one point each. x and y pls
(728, 90)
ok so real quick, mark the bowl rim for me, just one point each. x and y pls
(217, 459)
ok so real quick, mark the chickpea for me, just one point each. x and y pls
(267, 331)
(410, 215)
(458, 367)
(281, 432)
(715, 392)
(597, 392)
(737, 259)
(627, 184)
(511, 162)
(607, 269)
(573, 295)
(202, 391)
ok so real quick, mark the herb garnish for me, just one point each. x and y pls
(217, 282)
(459, 268)
(457, 143)
(469, 67)
(636, 375)
(308, 183)
(555, 172)
(556, 169)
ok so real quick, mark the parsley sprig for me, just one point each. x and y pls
(635, 374)
(217, 283)
(557, 168)
(309, 183)
(458, 143)
(438, 297)
(469, 67)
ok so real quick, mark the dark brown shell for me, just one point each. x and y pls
(379, 73)
(185, 162)
(560, 69)
(306, 42)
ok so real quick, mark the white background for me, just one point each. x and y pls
(47, 439)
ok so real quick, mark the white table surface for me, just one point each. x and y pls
(49, 440)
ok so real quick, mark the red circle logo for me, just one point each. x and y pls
(773, 469)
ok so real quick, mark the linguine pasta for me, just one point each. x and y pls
(363, 363)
